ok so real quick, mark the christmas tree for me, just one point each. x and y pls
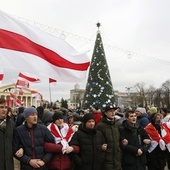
(99, 90)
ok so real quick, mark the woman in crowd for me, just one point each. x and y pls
(157, 152)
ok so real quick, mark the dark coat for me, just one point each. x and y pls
(90, 142)
(32, 140)
(110, 130)
(135, 136)
(6, 154)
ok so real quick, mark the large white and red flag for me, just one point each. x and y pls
(25, 48)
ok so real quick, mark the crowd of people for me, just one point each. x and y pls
(93, 139)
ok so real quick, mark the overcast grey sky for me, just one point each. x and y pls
(135, 34)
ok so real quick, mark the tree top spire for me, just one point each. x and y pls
(98, 24)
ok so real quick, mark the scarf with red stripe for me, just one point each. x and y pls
(166, 134)
(62, 135)
(155, 138)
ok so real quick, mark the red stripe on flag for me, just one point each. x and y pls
(17, 42)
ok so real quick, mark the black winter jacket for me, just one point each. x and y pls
(91, 156)
(32, 141)
(135, 137)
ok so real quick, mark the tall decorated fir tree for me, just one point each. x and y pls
(99, 90)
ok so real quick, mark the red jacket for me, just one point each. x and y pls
(59, 160)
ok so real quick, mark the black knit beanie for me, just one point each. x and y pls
(57, 115)
(87, 117)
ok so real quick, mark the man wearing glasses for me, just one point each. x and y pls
(6, 135)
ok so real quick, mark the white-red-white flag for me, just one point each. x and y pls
(32, 50)
(16, 100)
(36, 94)
(22, 84)
(20, 91)
(28, 77)
(24, 80)
(12, 96)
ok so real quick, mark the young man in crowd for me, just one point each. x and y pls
(134, 142)
(109, 127)
(31, 137)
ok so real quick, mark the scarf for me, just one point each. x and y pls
(63, 135)
(166, 134)
(155, 138)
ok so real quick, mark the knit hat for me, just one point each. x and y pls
(107, 108)
(75, 115)
(28, 111)
(153, 109)
(87, 117)
(141, 110)
(57, 115)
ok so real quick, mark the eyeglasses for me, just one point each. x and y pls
(3, 107)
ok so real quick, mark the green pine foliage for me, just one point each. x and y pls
(99, 90)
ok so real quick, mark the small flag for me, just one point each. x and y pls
(22, 84)
(36, 94)
(52, 80)
(29, 78)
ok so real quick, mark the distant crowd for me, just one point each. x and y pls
(91, 139)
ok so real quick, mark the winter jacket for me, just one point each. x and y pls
(32, 140)
(110, 130)
(90, 142)
(59, 160)
(6, 154)
(135, 136)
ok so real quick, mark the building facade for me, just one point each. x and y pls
(11, 94)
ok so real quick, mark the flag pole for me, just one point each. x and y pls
(50, 92)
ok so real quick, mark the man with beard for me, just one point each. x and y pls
(134, 142)
(31, 137)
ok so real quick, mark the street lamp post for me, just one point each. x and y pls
(128, 90)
